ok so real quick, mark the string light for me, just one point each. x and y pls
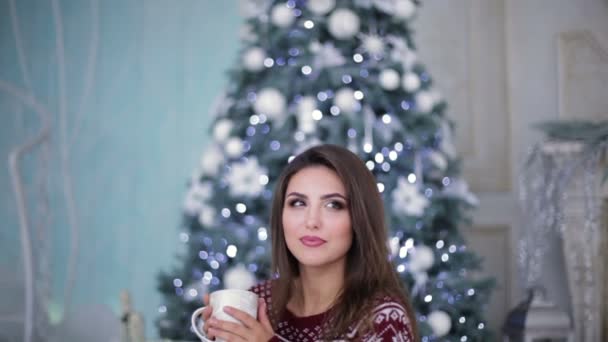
(231, 251)
(241, 208)
(386, 118)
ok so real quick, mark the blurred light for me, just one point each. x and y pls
(334, 110)
(428, 298)
(379, 158)
(411, 178)
(317, 115)
(428, 192)
(203, 255)
(386, 167)
(462, 319)
(480, 326)
(322, 96)
(254, 119)
(367, 147)
(445, 257)
(452, 248)
(275, 145)
(398, 147)
(231, 251)
(306, 70)
(241, 208)
(162, 309)
(214, 264)
(358, 58)
(370, 165)
(268, 62)
(352, 133)
(463, 339)
(263, 179)
(346, 79)
(309, 24)
(380, 187)
(177, 282)
(401, 268)
(471, 292)
(440, 244)
(226, 212)
(262, 234)
(358, 94)
(184, 237)
(445, 181)
(386, 118)
(392, 155)
(192, 293)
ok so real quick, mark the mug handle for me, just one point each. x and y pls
(198, 333)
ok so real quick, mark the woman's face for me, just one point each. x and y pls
(316, 218)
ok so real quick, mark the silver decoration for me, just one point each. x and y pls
(328, 56)
(558, 190)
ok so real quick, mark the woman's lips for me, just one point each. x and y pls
(312, 241)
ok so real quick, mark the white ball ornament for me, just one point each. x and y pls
(270, 102)
(343, 23)
(345, 100)
(211, 160)
(238, 277)
(422, 258)
(404, 9)
(424, 102)
(222, 129)
(411, 82)
(282, 16)
(234, 147)
(440, 323)
(321, 7)
(253, 59)
(389, 79)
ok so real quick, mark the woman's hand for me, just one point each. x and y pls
(250, 329)
(206, 315)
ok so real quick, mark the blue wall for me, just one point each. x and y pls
(132, 114)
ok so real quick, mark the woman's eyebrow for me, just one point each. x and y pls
(333, 194)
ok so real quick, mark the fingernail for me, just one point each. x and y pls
(227, 309)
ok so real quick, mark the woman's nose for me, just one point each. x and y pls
(312, 218)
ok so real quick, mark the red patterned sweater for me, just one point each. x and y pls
(390, 323)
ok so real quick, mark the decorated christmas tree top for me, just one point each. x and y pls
(346, 73)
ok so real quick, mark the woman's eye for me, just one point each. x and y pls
(296, 203)
(335, 205)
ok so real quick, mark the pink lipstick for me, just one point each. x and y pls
(312, 241)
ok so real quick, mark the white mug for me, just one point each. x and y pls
(246, 301)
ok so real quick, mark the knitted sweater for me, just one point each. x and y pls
(390, 322)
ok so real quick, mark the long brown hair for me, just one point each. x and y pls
(368, 275)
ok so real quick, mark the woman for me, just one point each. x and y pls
(329, 249)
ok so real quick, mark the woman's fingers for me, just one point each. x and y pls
(207, 311)
(263, 315)
(242, 316)
(234, 328)
(206, 299)
(227, 336)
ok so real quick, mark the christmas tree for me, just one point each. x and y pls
(343, 72)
